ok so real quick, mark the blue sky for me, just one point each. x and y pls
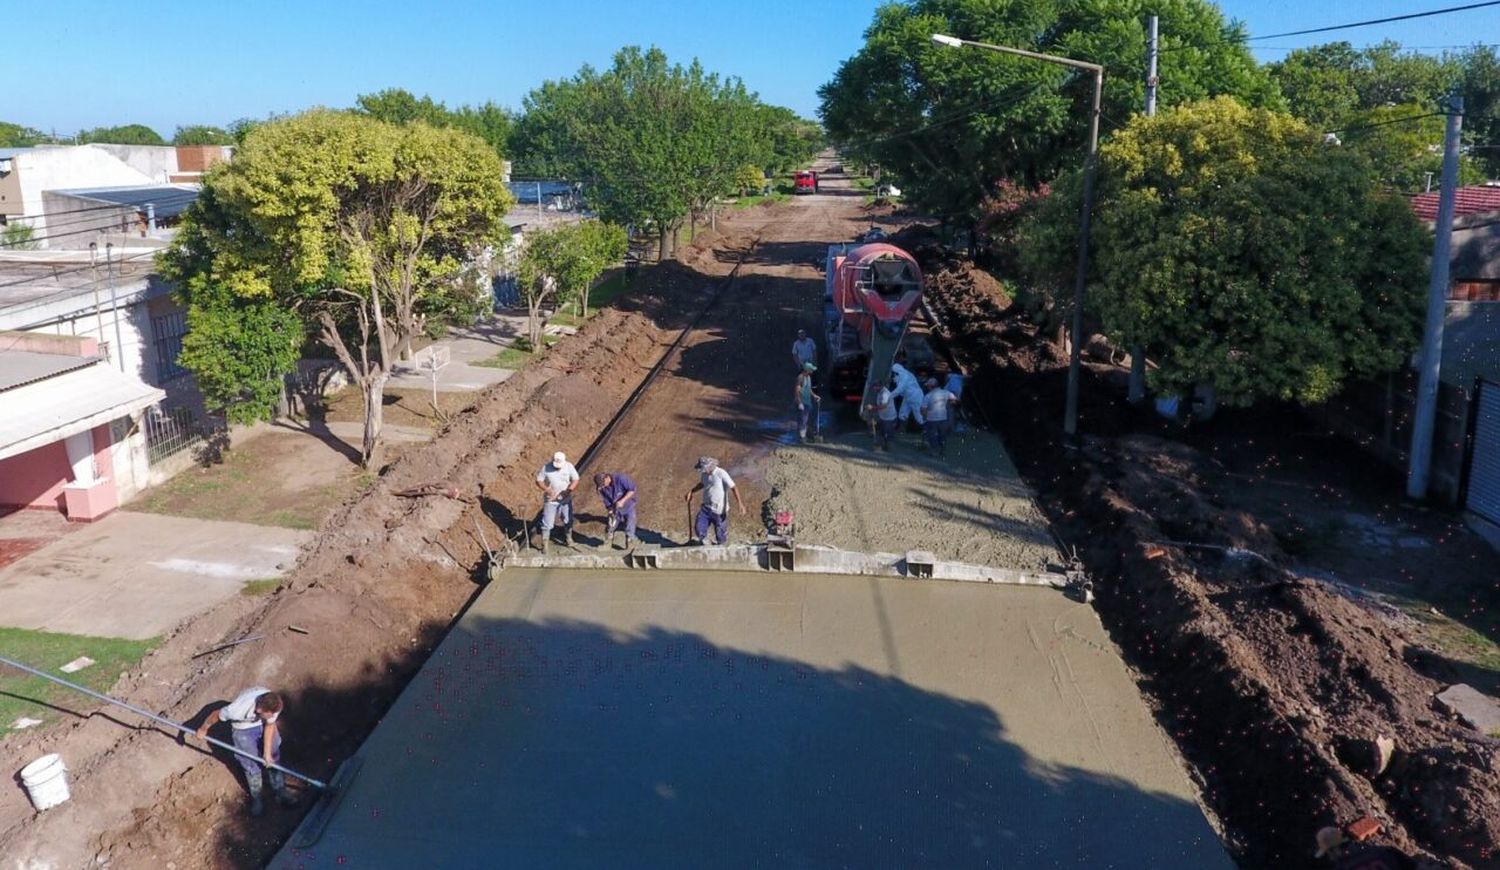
(71, 64)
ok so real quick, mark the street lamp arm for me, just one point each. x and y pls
(955, 42)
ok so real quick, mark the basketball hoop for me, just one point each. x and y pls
(433, 359)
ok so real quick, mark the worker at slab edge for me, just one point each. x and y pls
(252, 718)
(716, 485)
(618, 493)
(806, 398)
(557, 480)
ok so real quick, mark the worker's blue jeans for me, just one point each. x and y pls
(625, 518)
(554, 512)
(937, 434)
(252, 740)
(884, 431)
(720, 522)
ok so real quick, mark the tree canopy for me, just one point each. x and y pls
(202, 134)
(561, 264)
(1243, 252)
(489, 122)
(349, 222)
(950, 124)
(129, 134)
(651, 141)
(18, 136)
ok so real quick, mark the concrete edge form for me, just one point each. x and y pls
(806, 559)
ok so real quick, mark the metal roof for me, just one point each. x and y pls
(41, 413)
(168, 200)
(18, 367)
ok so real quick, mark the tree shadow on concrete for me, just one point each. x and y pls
(568, 744)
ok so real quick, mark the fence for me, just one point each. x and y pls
(169, 431)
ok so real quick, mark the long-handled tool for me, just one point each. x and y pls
(817, 419)
(690, 521)
(331, 790)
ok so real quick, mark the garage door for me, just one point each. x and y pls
(1484, 467)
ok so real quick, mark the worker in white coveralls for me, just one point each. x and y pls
(909, 392)
(716, 485)
(252, 719)
(557, 480)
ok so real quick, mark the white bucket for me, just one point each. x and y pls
(46, 781)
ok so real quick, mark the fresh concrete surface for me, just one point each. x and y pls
(135, 575)
(661, 719)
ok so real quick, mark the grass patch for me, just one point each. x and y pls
(863, 182)
(257, 588)
(510, 358)
(751, 201)
(29, 696)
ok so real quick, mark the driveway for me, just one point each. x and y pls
(466, 348)
(135, 575)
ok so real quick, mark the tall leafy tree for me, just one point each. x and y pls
(561, 264)
(347, 221)
(400, 106)
(17, 136)
(202, 134)
(950, 124)
(1243, 251)
(1479, 83)
(129, 134)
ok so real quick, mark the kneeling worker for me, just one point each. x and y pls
(618, 492)
(252, 719)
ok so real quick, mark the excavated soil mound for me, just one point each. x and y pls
(1276, 687)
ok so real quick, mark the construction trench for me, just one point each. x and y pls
(707, 707)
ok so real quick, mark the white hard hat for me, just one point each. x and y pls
(559, 458)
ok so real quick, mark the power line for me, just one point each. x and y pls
(1371, 21)
(1386, 123)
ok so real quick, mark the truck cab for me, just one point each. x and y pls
(805, 181)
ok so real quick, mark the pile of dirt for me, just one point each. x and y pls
(369, 600)
(970, 507)
(1276, 688)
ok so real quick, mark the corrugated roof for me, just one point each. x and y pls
(167, 200)
(41, 413)
(19, 367)
(1474, 199)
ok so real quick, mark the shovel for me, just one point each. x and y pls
(817, 437)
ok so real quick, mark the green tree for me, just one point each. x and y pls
(348, 221)
(1243, 252)
(129, 134)
(490, 122)
(948, 124)
(399, 106)
(1479, 84)
(18, 237)
(202, 134)
(17, 136)
(749, 179)
(562, 264)
(1327, 85)
(1405, 145)
(651, 141)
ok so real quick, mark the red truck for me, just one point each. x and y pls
(805, 181)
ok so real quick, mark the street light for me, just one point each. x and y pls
(1075, 359)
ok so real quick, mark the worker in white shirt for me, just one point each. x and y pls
(936, 408)
(252, 719)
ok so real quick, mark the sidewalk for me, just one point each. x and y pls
(136, 575)
(467, 346)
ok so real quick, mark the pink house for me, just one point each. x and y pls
(63, 412)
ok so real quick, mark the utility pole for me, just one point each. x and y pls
(118, 351)
(1090, 170)
(1420, 466)
(1137, 391)
(538, 205)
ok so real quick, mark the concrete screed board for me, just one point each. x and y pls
(664, 719)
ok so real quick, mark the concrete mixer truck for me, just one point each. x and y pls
(871, 294)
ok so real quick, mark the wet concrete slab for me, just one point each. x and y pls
(640, 719)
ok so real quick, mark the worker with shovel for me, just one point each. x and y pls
(884, 409)
(252, 719)
(618, 492)
(557, 480)
(716, 485)
(807, 400)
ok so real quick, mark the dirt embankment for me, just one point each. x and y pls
(1275, 687)
(372, 597)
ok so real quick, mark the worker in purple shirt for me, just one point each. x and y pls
(619, 495)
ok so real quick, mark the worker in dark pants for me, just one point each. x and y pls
(717, 486)
(806, 398)
(884, 409)
(252, 719)
(937, 408)
(618, 492)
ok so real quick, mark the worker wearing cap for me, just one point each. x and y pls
(936, 407)
(618, 492)
(804, 350)
(716, 485)
(557, 480)
(884, 409)
(909, 392)
(807, 400)
(252, 719)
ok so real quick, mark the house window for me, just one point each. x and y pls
(169, 330)
(1475, 291)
